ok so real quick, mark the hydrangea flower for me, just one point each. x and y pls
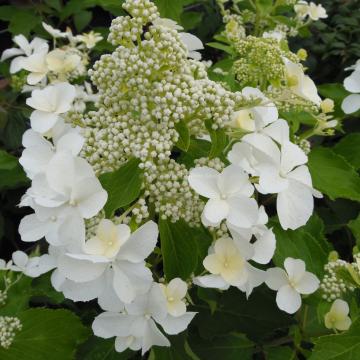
(338, 316)
(291, 283)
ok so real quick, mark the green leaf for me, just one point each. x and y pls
(345, 346)
(41, 288)
(82, 19)
(280, 353)
(218, 140)
(123, 185)
(354, 226)
(171, 9)
(46, 334)
(216, 45)
(349, 148)
(264, 5)
(198, 148)
(230, 347)
(55, 4)
(96, 348)
(13, 178)
(300, 244)
(14, 130)
(333, 175)
(179, 249)
(177, 350)
(258, 317)
(190, 19)
(334, 91)
(23, 21)
(184, 136)
(7, 161)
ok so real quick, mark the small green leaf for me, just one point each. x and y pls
(123, 185)
(218, 140)
(46, 334)
(179, 249)
(216, 45)
(184, 136)
(345, 346)
(7, 161)
(333, 175)
(171, 9)
(349, 148)
(198, 148)
(82, 19)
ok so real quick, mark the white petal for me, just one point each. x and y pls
(42, 121)
(123, 286)
(8, 53)
(177, 288)
(108, 299)
(215, 211)
(23, 43)
(109, 324)
(84, 291)
(35, 78)
(351, 103)
(255, 278)
(308, 284)
(264, 247)
(288, 299)
(16, 64)
(191, 41)
(234, 181)
(211, 281)
(175, 325)
(340, 307)
(352, 82)
(279, 131)
(295, 268)
(243, 211)
(140, 244)
(291, 156)
(276, 278)
(153, 336)
(65, 95)
(32, 229)
(294, 205)
(81, 270)
(270, 181)
(20, 259)
(89, 196)
(72, 142)
(204, 181)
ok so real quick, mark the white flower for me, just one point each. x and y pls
(175, 292)
(49, 104)
(115, 254)
(62, 62)
(351, 103)
(32, 267)
(299, 83)
(25, 50)
(277, 35)
(38, 151)
(337, 318)
(301, 9)
(229, 195)
(316, 12)
(136, 328)
(257, 117)
(90, 39)
(84, 94)
(291, 283)
(192, 43)
(36, 65)
(228, 265)
(55, 33)
(283, 172)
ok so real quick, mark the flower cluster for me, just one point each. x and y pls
(9, 326)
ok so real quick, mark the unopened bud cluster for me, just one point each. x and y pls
(9, 326)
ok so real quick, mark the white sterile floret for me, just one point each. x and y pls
(89, 39)
(315, 12)
(338, 316)
(136, 327)
(36, 65)
(33, 266)
(228, 193)
(112, 255)
(351, 103)
(291, 283)
(167, 23)
(49, 104)
(175, 292)
(299, 83)
(257, 117)
(26, 49)
(55, 33)
(281, 171)
(62, 62)
(228, 265)
(193, 44)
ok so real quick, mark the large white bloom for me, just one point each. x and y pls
(256, 117)
(136, 328)
(49, 104)
(25, 50)
(299, 83)
(281, 171)
(338, 316)
(291, 283)
(351, 103)
(112, 254)
(62, 62)
(229, 195)
(228, 265)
